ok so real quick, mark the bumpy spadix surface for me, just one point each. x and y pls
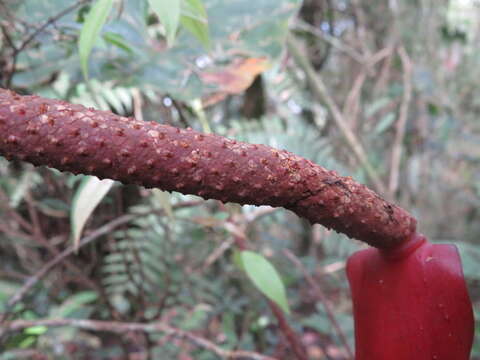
(73, 138)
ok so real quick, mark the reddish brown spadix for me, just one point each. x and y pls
(410, 303)
(73, 138)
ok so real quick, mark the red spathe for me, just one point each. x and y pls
(411, 303)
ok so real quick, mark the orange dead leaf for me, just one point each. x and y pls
(234, 78)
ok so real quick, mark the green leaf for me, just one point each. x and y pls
(94, 21)
(196, 319)
(194, 19)
(165, 200)
(237, 259)
(35, 330)
(73, 303)
(264, 276)
(27, 342)
(168, 11)
(118, 41)
(376, 105)
(384, 123)
(89, 194)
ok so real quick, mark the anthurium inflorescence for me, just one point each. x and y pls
(410, 299)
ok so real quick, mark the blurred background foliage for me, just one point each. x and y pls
(403, 76)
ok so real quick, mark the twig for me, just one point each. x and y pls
(49, 22)
(354, 54)
(18, 49)
(333, 267)
(360, 22)
(123, 327)
(137, 104)
(6, 229)
(237, 229)
(321, 93)
(382, 78)
(218, 252)
(291, 336)
(351, 106)
(7, 37)
(34, 218)
(402, 121)
(323, 299)
(5, 203)
(10, 18)
(379, 56)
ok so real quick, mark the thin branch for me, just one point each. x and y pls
(237, 228)
(123, 327)
(137, 104)
(50, 21)
(5, 204)
(6, 229)
(361, 27)
(402, 121)
(12, 20)
(7, 37)
(18, 49)
(217, 253)
(379, 56)
(352, 103)
(382, 78)
(296, 345)
(341, 46)
(321, 93)
(318, 292)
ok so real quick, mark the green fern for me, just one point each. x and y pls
(107, 96)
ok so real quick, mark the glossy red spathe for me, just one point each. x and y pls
(411, 303)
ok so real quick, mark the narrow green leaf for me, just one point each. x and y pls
(376, 105)
(237, 259)
(94, 21)
(118, 41)
(194, 9)
(109, 96)
(198, 109)
(165, 200)
(73, 303)
(384, 123)
(24, 184)
(194, 19)
(35, 330)
(89, 194)
(168, 11)
(266, 279)
(27, 342)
